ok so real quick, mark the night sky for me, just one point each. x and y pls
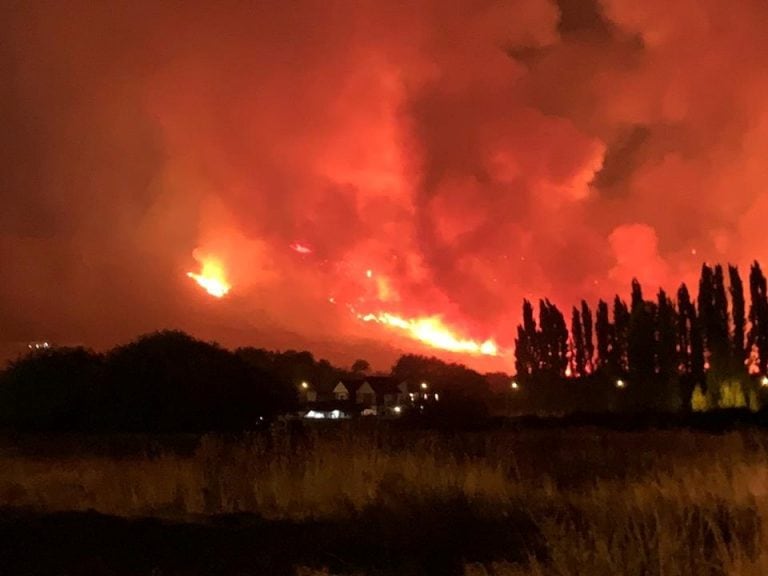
(339, 159)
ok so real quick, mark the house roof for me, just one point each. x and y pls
(381, 384)
(351, 384)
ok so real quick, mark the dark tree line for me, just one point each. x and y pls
(161, 382)
(170, 382)
(658, 349)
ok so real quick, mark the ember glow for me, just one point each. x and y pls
(212, 278)
(301, 248)
(431, 331)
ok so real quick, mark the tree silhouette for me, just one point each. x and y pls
(758, 315)
(665, 350)
(713, 314)
(641, 341)
(666, 353)
(620, 352)
(553, 349)
(738, 312)
(686, 320)
(526, 346)
(603, 335)
(50, 390)
(463, 392)
(577, 337)
(589, 344)
(170, 382)
(361, 366)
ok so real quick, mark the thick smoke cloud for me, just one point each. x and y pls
(468, 154)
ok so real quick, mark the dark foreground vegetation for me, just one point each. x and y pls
(375, 498)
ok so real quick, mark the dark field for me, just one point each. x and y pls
(378, 499)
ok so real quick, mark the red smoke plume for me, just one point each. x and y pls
(468, 153)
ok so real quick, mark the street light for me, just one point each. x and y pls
(424, 385)
(764, 381)
(515, 385)
(304, 385)
(621, 384)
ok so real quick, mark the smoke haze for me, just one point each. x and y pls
(434, 157)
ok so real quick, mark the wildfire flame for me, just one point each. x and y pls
(212, 278)
(433, 332)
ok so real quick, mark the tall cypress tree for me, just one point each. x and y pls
(554, 340)
(706, 307)
(684, 329)
(713, 314)
(560, 340)
(721, 317)
(619, 353)
(738, 312)
(641, 340)
(603, 335)
(758, 315)
(577, 337)
(589, 344)
(544, 345)
(527, 345)
(666, 330)
(690, 338)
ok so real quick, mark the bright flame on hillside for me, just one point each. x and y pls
(433, 332)
(212, 278)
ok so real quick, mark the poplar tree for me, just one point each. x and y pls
(738, 314)
(554, 340)
(641, 338)
(527, 345)
(603, 335)
(619, 354)
(577, 338)
(666, 342)
(690, 343)
(589, 344)
(758, 315)
(713, 313)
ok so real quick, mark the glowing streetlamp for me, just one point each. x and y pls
(515, 385)
(764, 381)
(424, 385)
(304, 385)
(621, 384)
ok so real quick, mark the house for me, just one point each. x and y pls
(358, 396)
(372, 395)
(386, 390)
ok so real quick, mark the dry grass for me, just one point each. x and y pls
(666, 504)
